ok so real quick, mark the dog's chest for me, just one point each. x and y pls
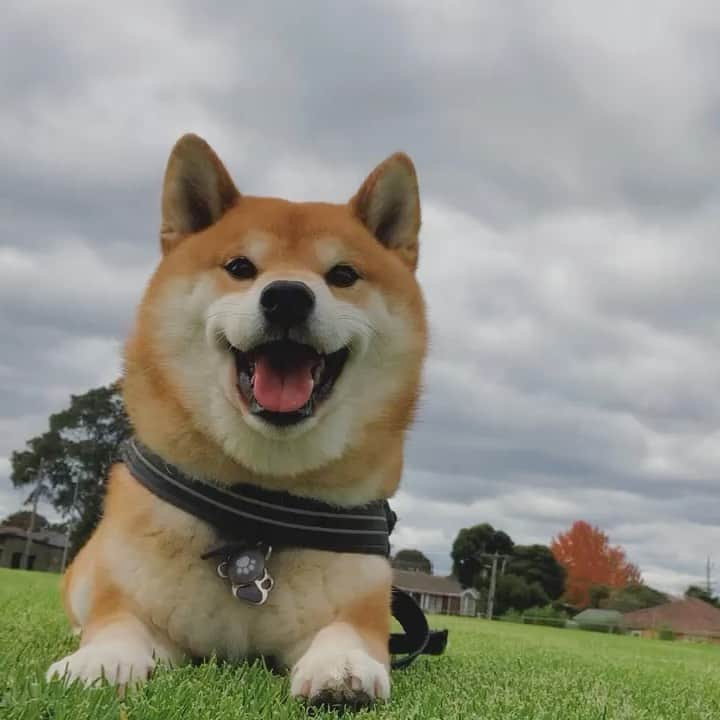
(185, 597)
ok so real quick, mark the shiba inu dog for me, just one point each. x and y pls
(278, 345)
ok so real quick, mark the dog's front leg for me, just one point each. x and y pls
(347, 661)
(119, 648)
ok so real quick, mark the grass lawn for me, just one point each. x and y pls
(491, 671)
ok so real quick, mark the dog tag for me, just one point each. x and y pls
(257, 592)
(246, 570)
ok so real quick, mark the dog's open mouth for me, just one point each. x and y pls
(284, 381)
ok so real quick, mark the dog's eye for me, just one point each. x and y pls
(342, 276)
(241, 268)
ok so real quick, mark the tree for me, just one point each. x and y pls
(634, 597)
(537, 564)
(599, 595)
(469, 544)
(516, 593)
(701, 593)
(21, 519)
(585, 553)
(412, 560)
(79, 447)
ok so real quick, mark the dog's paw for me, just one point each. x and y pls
(351, 678)
(120, 665)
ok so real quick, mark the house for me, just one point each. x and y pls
(687, 618)
(46, 549)
(597, 619)
(436, 594)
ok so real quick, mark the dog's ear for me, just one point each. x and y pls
(197, 190)
(388, 204)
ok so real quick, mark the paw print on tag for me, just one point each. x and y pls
(246, 567)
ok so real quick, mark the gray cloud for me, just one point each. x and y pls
(571, 203)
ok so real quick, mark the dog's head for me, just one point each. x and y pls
(285, 330)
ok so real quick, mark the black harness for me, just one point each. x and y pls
(253, 521)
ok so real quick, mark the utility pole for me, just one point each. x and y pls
(31, 528)
(708, 577)
(493, 558)
(493, 580)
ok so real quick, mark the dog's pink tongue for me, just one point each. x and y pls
(282, 390)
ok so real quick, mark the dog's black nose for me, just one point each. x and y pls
(287, 303)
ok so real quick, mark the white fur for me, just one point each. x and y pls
(337, 664)
(124, 653)
(79, 598)
(184, 597)
(328, 251)
(256, 244)
(192, 319)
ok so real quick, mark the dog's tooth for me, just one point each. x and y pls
(318, 370)
(244, 383)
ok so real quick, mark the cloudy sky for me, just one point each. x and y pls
(568, 161)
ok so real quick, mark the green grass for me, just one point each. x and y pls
(491, 671)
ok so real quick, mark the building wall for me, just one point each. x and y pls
(468, 605)
(653, 634)
(431, 603)
(440, 604)
(43, 557)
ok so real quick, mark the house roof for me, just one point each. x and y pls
(424, 583)
(687, 616)
(596, 616)
(43, 537)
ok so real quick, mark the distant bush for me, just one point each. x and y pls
(634, 597)
(665, 633)
(512, 616)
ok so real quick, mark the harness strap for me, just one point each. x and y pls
(277, 518)
(418, 639)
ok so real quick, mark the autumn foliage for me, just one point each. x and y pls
(585, 553)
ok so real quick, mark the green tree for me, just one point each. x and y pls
(21, 519)
(79, 447)
(537, 564)
(412, 560)
(634, 597)
(469, 544)
(516, 593)
(599, 595)
(701, 593)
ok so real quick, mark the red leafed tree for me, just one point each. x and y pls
(585, 553)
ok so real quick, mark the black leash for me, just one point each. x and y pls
(271, 519)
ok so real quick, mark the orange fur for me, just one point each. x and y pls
(370, 616)
(152, 399)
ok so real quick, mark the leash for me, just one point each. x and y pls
(271, 519)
